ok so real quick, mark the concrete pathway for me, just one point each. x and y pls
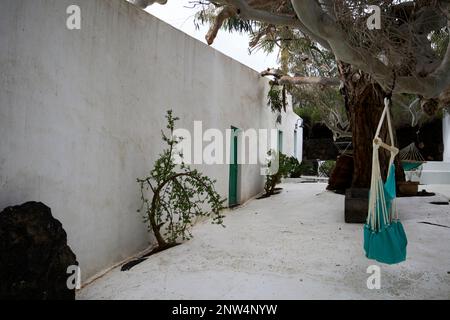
(294, 245)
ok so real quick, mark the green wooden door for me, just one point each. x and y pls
(234, 169)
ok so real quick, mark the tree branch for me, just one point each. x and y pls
(145, 3)
(246, 12)
(226, 13)
(283, 80)
(322, 81)
(431, 86)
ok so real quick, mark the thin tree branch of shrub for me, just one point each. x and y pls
(174, 196)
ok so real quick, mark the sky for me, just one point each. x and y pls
(179, 13)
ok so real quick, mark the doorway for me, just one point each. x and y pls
(233, 197)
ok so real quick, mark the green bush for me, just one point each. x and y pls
(284, 167)
(294, 167)
(297, 169)
(289, 167)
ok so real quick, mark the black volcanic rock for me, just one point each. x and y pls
(34, 255)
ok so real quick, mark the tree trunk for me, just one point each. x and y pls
(364, 101)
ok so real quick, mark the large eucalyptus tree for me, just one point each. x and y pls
(407, 53)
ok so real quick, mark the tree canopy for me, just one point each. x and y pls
(411, 45)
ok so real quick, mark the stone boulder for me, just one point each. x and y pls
(34, 255)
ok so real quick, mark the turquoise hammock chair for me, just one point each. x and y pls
(384, 237)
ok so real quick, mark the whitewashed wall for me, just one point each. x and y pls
(81, 113)
(446, 136)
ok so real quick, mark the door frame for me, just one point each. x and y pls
(234, 171)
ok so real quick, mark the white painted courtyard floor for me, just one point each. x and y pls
(294, 245)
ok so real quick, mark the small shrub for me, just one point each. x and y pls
(297, 169)
(284, 166)
(308, 168)
(173, 196)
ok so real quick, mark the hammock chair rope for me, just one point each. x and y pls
(411, 158)
(377, 185)
(384, 237)
(411, 153)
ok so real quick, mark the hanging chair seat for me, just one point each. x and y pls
(386, 246)
(384, 237)
(388, 243)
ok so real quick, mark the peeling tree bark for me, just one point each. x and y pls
(226, 13)
(364, 102)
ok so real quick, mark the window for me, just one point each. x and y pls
(280, 141)
(295, 144)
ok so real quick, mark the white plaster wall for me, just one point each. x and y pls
(81, 113)
(446, 136)
(288, 124)
(300, 144)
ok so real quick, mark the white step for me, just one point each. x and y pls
(435, 177)
(434, 172)
(436, 166)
